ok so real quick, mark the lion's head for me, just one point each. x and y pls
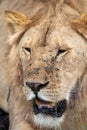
(49, 55)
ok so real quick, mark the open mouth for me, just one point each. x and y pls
(49, 108)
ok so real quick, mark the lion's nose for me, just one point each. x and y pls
(35, 87)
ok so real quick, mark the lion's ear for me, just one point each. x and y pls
(16, 21)
(80, 25)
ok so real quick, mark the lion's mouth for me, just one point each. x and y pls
(49, 108)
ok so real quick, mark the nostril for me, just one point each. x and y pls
(33, 86)
(30, 84)
(41, 86)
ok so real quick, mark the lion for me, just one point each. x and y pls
(43, 66)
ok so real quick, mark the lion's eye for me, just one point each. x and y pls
(61, 51)
(28, 50)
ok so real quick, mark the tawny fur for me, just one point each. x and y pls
(54, 23)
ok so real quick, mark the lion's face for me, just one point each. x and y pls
(52, 63)
(53, 60)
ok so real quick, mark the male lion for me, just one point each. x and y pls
(44, 66)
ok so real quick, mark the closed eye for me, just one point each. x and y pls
(61, 51)
(27, 49)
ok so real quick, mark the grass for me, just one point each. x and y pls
(60, 128)
(85, 127)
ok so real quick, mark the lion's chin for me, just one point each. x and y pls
(48, 122)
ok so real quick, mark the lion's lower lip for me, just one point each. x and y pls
(49, 108)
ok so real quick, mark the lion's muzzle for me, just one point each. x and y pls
(46, 107)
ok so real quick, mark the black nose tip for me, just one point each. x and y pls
(35, 87)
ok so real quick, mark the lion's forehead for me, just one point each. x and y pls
(56, 33)
(45, 43)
